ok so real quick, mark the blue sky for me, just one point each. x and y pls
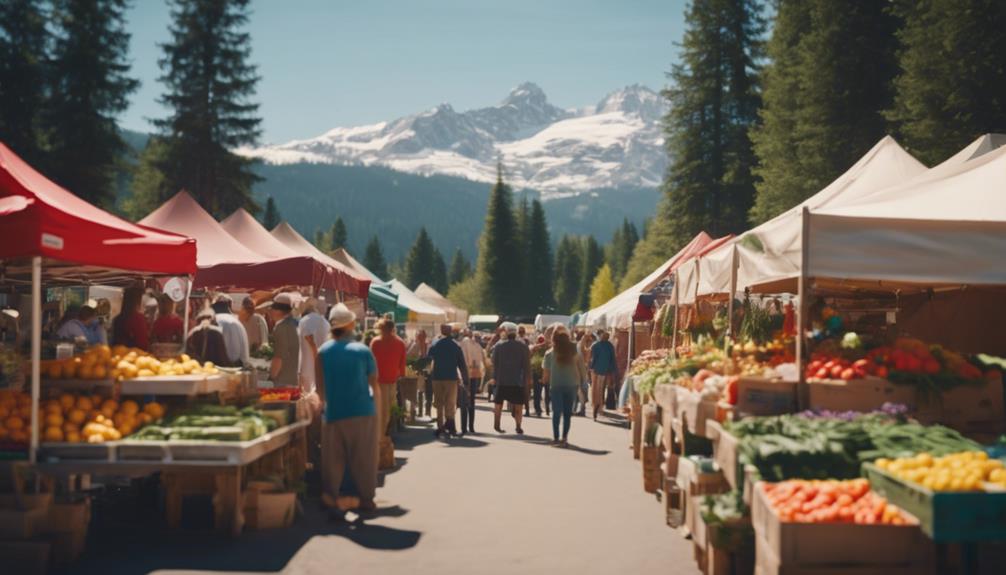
(348, 62)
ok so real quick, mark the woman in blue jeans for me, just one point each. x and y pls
(563, 370)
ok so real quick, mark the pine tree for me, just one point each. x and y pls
(420, 264)
(210, 85)
(522, 217)
(592, 260)
(89, 89)
(23, 38)
(460, 268)
(497, 270)
(373, 259)
(713, 104)
(439, 278)
(538, 263)
(832, 64)
(322, 240)
(271, 217)
(602, 288)
(568, 274)
(338, 234)
(952, 86)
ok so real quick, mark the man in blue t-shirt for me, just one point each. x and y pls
(603, 368)
(348, 373)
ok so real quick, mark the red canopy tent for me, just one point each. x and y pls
(67, 238)
(39, 218)
(225, 262)
(246, 229)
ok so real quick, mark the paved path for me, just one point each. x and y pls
(483, 504)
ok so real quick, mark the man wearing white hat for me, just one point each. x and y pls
(512, 363)
(347, 372)
(312, 323)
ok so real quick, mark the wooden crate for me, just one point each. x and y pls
(945, 517)
(865, 394)
(830, 545)
(725, 452)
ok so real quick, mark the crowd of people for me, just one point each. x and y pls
(359, 381)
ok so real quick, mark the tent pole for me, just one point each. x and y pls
(674, 329)
(632, 340)
(735, 261)
(802, 307)
(185, 320)
(36, 351)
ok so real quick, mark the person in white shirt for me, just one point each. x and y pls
(235, 336)
(475, 358)
(314, 324)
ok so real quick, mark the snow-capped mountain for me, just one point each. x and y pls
(616, 143)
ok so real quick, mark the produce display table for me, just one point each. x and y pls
(186, 466)
(187, 385)
(79, 384)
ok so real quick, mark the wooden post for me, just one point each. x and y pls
(674, 329)
(734, 265)
(36, 352)
(803, 293)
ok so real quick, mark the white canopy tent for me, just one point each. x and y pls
(770, 255)
(420, 311)
(618, 311)
(946, 228)
(432, 296)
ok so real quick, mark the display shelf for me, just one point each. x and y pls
(79, 384)
(175, 385)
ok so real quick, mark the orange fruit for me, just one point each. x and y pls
(84, 403)
(54, 420)
(77, 415)
(53, 434)
(14, 423)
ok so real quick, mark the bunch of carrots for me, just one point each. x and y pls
(832, 501)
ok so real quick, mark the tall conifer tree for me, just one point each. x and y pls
(338, 234)
(271, 217)
(829, 80)
(460, 268)
(439, 278)
(23, 39)
(90, 87)
(421, 262)
(568, 274)
(952, 85)
(538, 262)
(714, 102)
(499, 253)
(210, 86)
(592, 260)
(602, 288)
(373, 259)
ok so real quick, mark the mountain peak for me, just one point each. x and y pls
(526, 93)
(634, 99)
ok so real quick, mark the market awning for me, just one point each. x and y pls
(430, 295)
(360, 283)
(245, 228)
(382, 300)
(419, 310)
(39, 218)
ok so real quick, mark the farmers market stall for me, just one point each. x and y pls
(432, 296)
(776, 446)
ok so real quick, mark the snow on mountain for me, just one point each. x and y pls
(616, 143)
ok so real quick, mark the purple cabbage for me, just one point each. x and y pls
(887, 411)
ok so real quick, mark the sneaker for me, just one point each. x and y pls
(564, 444)
(520, 431)
(498, 429)
(437, 432)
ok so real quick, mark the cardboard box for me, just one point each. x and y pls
(25, 557)
(69, 517)
(764, 396)
(865, 394)
(833, 544)
(264, 510)
(974, 408)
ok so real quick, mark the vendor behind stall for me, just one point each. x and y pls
(286, 343)
(85, 325)
(129, 328)
(206, 340)
(168, 326)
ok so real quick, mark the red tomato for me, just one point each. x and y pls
(848, 373)
(835, 371)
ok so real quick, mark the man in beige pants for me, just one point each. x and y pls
(349, 436)
(448, 362)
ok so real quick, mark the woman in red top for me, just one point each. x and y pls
(167, 327)
(129, 328)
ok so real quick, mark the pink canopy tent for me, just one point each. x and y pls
(246, 229)
(225, 262)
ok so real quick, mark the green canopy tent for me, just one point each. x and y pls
(382, 300)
